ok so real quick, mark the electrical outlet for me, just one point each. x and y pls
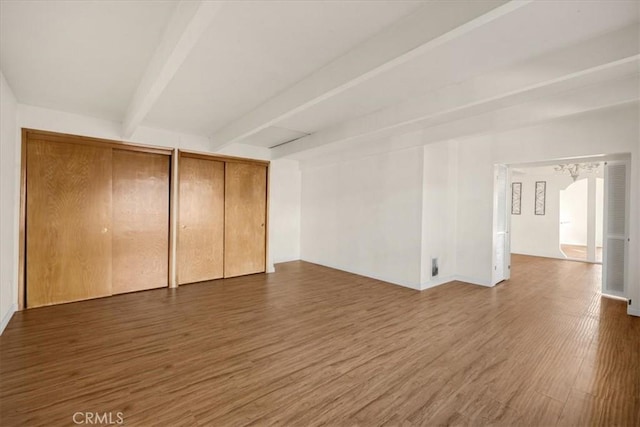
(434, 267)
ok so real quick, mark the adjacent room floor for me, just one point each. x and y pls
(578, 252)
(310, 345)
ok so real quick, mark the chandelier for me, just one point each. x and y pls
(574, 169)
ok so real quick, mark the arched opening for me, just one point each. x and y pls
(580, 216)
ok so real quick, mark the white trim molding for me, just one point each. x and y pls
(7, 317)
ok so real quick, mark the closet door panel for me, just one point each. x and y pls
(140, 221)
(68, 222)
(200, 220)
(245, 219)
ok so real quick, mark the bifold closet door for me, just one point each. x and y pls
(140, 221)
(245, 219)
(68, 222)
(616, 228)
(200, 220)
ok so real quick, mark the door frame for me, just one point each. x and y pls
(506, 266)
(623, 157)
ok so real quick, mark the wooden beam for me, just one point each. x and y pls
(433, 25)
(187, 25)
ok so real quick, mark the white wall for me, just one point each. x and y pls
(439, 211)
(9, 203)
(384, 215)
(538, 235)
(365, 215)
(600, 213)
(574, 202)
(634, 308)
(600, 132)
(475, 211)
(336, 194)
(284, 210)
(573, 213)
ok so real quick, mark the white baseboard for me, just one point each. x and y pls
(7, 317)
(633, 312)
(433, 283)
(538, 255)
(436, 282)
(365, 274)
(473, 281)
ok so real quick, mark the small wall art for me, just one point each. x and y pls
(541, 195)
(516, 198)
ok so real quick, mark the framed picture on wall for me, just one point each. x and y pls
(516, 198)
(541, 195)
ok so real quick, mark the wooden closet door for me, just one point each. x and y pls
(140, 221)
(200, 220)
(245, 219)
(68, 225)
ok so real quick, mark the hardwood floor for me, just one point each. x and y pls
(309, 345)
(578, 252)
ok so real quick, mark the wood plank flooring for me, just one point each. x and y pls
(309, 345)
(578, 252)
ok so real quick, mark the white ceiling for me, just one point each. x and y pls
(255, 49)
(79, 56)
(265, 73)
(527, 32)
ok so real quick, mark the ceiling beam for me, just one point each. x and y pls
(397, 119)
(432, 25)
(580, 101)
(603, 58)
(187, 25)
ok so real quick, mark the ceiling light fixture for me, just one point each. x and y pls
(574, 169)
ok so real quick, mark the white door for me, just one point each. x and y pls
(616, 228)
(501, 217)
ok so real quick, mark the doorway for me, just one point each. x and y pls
(554, 210)
(581, 218)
